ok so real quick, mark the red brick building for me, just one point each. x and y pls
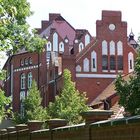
(93, 61)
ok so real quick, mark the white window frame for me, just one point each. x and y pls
(49, 46)
(87, 39)
(22, 80)
(81, 47)
(55, 42)
(30, 77)
(104, 48)
(119, 48)
(61, 47)
(78, 68)
(86, 65)
(112, 47)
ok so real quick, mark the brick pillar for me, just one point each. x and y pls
(21, 127)
(92, 116)
(54, 123)
(35, 125)
(2, 132)
(11, 129)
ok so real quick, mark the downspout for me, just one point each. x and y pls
(38, 70)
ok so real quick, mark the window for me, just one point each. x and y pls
(104, 62)
(78, 68)
(21, 62)
(61, 47)
(22, 97)
(93, 61)
(86, 65)
(119, 48)
(87, 39)
(81, 47)
(22, 81)
(26, 61)
(30, 60)
(29, 80)
(120, 62)
(112, 48)
(112, 63)
(55, 42)
(49, 46)
(48, 56)
(104, 48)
(130, 62)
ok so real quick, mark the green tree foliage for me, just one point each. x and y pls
(33, 109)
(70, 103)
(14, 30)
(4, 101)
(129, 91)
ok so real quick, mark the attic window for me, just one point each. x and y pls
(26, 61)
(30, 60)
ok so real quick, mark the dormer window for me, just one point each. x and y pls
(26, 61)
(30, 60)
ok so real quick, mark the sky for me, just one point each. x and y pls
(82, 14)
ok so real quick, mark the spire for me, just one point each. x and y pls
(131, 35)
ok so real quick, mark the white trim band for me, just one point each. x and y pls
(96, 75)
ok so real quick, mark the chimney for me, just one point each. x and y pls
(92, 116)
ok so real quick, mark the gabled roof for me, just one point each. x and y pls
(86, 49)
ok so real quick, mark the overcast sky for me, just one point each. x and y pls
(82, 14)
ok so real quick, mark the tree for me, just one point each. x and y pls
(14, 30)
(129, 91)
(3, 103)
(70, 103)
(31, 107)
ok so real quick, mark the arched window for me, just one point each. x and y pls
(104, 48)
(93, 61)
(87, 39)
(49, 46)
(22, 81)
(30, 79)
(104, 55)
(21, 62)
(78, 68)
(119, 48)
(130, 62)
(81, 47)
(55, 42)
(112, 48)
(26, 61)
(86, 65)
(30, 60)
(61, 47)
(120, 55)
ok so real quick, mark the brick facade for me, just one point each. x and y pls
(93, 61)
